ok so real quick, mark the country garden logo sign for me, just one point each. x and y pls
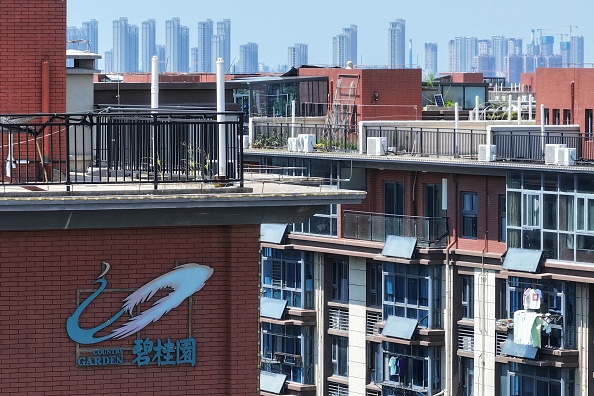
(184, 281)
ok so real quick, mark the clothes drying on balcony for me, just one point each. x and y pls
(527, 328)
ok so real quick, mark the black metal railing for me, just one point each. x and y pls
(123, 146)
(429, 231)
(530, 145)
(430, 141)
(328, 138)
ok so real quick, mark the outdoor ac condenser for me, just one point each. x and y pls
(376, 145)
(551, 153)
(487, 152)
(293, 144)
(566, 156)
(307, 143)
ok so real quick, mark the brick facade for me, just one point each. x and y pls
(382, 94)
(32, 32)
(42, 271)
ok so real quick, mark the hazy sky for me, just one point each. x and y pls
(276, 25)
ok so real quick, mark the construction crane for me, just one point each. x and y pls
(570, 28)
(540, 34)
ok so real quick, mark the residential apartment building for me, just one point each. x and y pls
(82, 233)
(149, 44)
(344, 47)
(125, 46)
(248, 58)
(430, 59)
(397, 42)
(297, 55)
(465, 271)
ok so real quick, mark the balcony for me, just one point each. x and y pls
(431, 232)
(275, 135)
(122, 146)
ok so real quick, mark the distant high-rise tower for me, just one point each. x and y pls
(149, 44)
(125, 46)
(162, 55)
(430, 58)
(514, 46)
(565, 51)
(224, 51)
(108, 61)
(203, 61)
(457, 55)
(546, 45)
(90, 31)
(248, 58)
(297, 55)
(133, 48)
(577, 51)
(184, 49)
(397, 44)
(344, 47)
(499, 47)
(177, 46)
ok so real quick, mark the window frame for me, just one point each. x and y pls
(469, 213)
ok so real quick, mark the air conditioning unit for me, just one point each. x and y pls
(566, 156)
(306, 143)
(293, 144)
(376, 145)
(487, 152)
(246, 141)
(551, 153)
(467, 343)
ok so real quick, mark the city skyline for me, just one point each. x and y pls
(275, 35)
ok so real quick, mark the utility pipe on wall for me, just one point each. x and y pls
(155, 83)
(221, 118)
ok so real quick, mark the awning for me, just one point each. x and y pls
(272, 233)
(272, 308)
(525, 260)
(510, 348)
(271, 382)
(398, 246)
(398, 327)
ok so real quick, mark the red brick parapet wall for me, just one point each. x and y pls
(32, 32)
(42, 271)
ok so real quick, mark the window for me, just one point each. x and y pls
(567, 117)
(558, 301)
(531, 211)
(467, 376)
(469, 215)
(502, 218)
(288, 275)
(340, 280)
(394, 198)
(340, 356)
(413, 292)
(416, 368)
(588, 123)
(288, 350)
(556, 117)
(374, 284)
(467, 297)
(524, 379)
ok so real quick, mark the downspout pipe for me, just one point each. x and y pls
(220, 78)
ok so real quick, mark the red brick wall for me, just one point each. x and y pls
(399, 91)
(467, 77)
(32, 32)
(488, 189)
(553, 88)
(41, 272)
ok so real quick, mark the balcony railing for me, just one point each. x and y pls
(429, 231)
(328, 138)
(446, 142)
(123, 146)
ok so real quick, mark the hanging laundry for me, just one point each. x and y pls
(402, 366)
(527, 328)
(534, 297)
(392, 364)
